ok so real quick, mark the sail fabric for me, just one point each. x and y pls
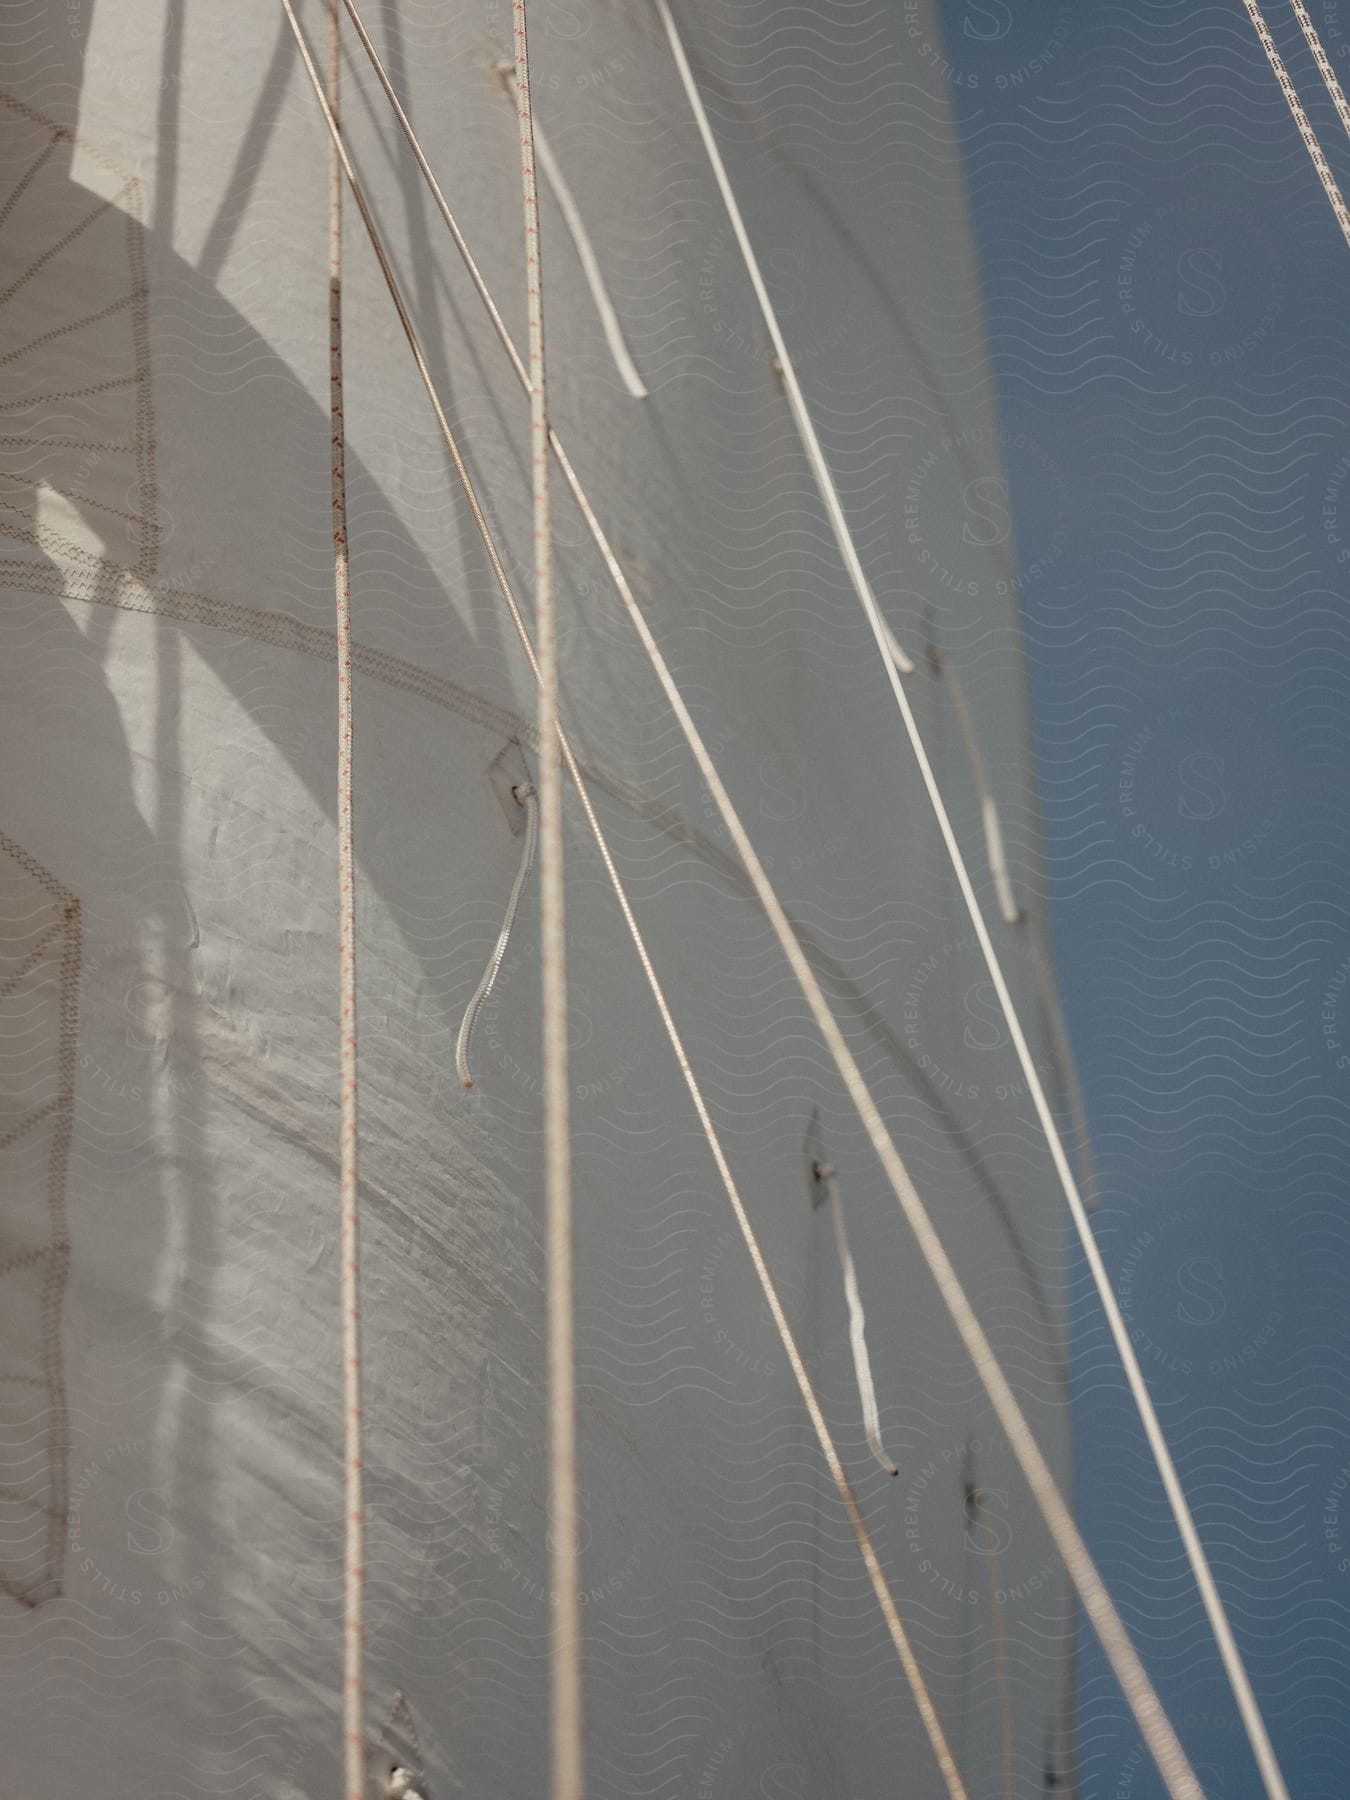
(170, 1525)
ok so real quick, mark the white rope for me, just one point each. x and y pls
(1233, 1665)
(353, 1574)
(567, 1777)
(895, 1626)
(1305, 130)
(523, 796)
(1323, 62)
(590, 262)
(857, 1321)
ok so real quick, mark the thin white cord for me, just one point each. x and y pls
(993, 829)
(567, 1775)
(895, 1626)
(524, 796)
(590, 262)
(1323, 62)
(1234, 1667)
(1305, 131)
(353, 1573)
(857, 1322)
(998, 864)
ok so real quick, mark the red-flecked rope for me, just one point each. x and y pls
(353, 1562)
(567, 1776)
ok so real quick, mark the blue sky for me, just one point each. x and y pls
(1167, 292)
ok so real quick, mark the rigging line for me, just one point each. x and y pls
(524, 796)
(1244, 1697)
(1138, 1690)
(895, 1626)
(1305, 131)
(1323, 62)
(815, 456)
(590, 262)
(566, 1720)
(353, 1578)
(857, 1320)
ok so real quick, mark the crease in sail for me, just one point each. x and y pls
(1154, 1725)
(924, 1702)
(976, 1503)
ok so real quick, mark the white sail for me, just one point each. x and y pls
(172, 1507)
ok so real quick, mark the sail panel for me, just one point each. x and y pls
(169, 742)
